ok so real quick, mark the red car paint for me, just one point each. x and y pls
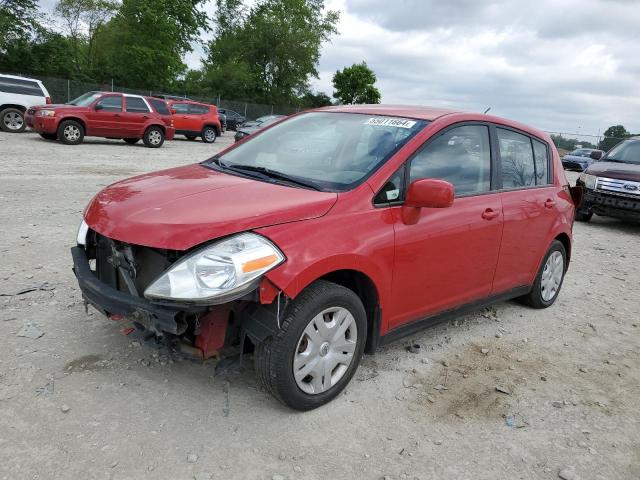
(101, 123)
(479, 247)
(190, 118)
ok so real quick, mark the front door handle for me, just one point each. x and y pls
(490, 214)
(549, 203)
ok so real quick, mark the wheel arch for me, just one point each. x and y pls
(76, 119)
(22, 108)
(566, 243)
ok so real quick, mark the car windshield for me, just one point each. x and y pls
(332, 151)
(581, 152)
(85, 99)
(625, 152)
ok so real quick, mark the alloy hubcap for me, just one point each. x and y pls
(71, 132)
(209, 135)
(325, 350)
(13, 121)
(552, 276)
(155, 137)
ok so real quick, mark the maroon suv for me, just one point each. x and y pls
(104, 114)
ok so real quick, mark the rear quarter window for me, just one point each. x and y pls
(198, 109)
(159, 106)
(541, 156)
(20, 87)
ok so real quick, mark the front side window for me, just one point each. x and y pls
(461, 156)
(393, 190)
(516, 156)
(541, 154)
(136, 105)
(110, 104)
(333, 151)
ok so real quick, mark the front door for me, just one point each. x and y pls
(449, 256)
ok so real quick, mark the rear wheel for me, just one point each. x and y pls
(317, 348)
(12, 120)
(131, 141)
(549, 280)
(153, 137)
(70, 132)
(191, 137)
(49, 136)
(208, 134)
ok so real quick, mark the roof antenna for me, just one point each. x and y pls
(485, 112)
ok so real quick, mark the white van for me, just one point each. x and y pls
(17, 94)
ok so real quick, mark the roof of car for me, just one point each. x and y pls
(18, 77)
(422, 113)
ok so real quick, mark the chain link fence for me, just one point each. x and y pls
(65, 90)
(570, 141)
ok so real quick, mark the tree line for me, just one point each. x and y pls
(612, 136)
(263, 51)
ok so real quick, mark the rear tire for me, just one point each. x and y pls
(549, 279)
(49, 136)
(209, 134)
(583, 217)
(131, 141)
(70, 132)
(12, 120)
(329, 352)
(153, 137)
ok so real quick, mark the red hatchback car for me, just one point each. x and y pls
(104, 114)
(327, 235)
(194, 119)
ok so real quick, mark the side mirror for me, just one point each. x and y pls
(99, 107)
(596, 154)
(430, 193)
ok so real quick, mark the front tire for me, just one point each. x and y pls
(548, 282)
(70, 132)
(209, 135)
(153, 137)
(317, 348)
(12, 120)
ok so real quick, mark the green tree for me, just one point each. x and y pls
(144, 43)
(267, 53)
(18, 22)
(315, 100)
(613, 136)
(356, 84)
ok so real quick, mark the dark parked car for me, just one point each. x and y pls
(252, 127)
(579, 159)
(612, 183)
(233, 119)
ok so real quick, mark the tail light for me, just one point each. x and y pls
(48, 100)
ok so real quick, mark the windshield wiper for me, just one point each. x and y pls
(268, 173)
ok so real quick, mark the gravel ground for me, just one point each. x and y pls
(82, 401)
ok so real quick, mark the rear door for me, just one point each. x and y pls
(529, 202)
(136, 116)
(199, 115)
(448, 258)
(181, 117)
(105, 118)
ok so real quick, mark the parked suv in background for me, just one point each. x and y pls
(233, 119)
(327, 235)
(17, 94)
(612, 183)
(195, 119)
(104, 114)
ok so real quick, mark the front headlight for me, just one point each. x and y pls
(81, 238)
(219, 271)
(588, 180)
(47, 113)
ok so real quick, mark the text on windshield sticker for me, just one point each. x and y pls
(390, 122)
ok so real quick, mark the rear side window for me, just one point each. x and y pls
(110, 104)
(541, 156)
(136, 105)
(516, 156)
(198, 109)
(181, 107)
(159, 106)
(461, 156)
(20, 86)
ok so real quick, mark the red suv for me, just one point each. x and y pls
(327, 235)
(194, 119)
(104, 114)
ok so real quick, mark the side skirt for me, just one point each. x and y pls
(418, 325)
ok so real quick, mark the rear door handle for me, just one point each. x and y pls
(490, 214)
(549, 203)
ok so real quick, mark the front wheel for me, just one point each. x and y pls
(208, 134)
(317, 348)
(548, 282)
(153, 137)
(70, 132)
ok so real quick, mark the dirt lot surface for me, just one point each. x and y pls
(82, 402)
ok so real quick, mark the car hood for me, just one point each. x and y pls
(622, 171)
(180, 208)
(58, 106)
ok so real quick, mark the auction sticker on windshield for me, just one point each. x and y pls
(390, 122)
